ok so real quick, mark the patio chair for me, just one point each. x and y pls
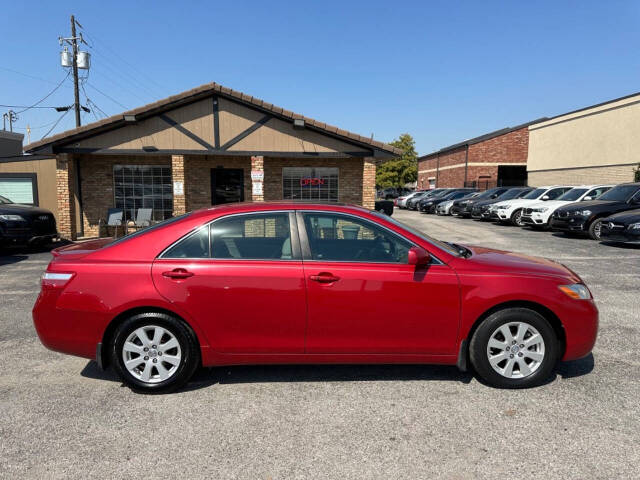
(143, 218)
(114, 219)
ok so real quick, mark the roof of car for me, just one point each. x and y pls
(241, 207)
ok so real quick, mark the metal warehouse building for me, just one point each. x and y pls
(206, 146)
(597, 144)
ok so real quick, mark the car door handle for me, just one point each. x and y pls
(177, 274)
(324, 277)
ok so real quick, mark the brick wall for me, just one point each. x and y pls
(197, 182)
(356, 182)
(65, 181)
(510, 148)
(177, 175)
(350, 177)
(96, 177)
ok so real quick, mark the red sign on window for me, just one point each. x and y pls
(305, 182)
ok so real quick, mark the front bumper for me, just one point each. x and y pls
(580, 320)
(622, 235)
(503, 215)
(569, 224)
(534, 219)
(24, 236)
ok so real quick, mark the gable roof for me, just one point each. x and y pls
(484, 137)
(198, 93)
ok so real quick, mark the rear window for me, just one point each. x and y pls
(144, 231)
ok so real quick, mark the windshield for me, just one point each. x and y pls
(487, 193)
(513, 193)
(621, 193)
(572, 195)
(4, 200)
(535, 193)
(442, 245)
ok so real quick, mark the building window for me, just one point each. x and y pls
(19, 187)
(302, 183)
(432, 182)
(143, 186)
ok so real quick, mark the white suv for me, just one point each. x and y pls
(510, 211)
(538, 214)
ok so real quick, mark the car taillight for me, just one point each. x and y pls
(56, 279)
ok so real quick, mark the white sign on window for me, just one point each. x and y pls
(178, 188)
(257, 175)
(256, 188)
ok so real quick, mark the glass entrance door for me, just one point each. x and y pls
(227, 185)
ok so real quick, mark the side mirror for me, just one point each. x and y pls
(545, 198)
(418, 256)
(587, 198)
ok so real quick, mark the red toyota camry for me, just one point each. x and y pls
(302, 283)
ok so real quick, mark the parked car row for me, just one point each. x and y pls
(603, 212)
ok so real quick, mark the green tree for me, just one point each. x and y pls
(636, 174)
(399, 171)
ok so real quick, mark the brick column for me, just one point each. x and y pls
(65, 182)
(177, 175)
(257, 165)
(369, 183)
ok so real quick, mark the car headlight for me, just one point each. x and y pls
(541, 210)
(503, 207)
(577, 291)
(13, 218)
(634, 226)
(582, 213)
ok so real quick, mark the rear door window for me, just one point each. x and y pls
(253, 237)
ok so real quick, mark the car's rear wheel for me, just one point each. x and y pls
(595, 229)
(514, 348)
(516, 218)
(154, 352)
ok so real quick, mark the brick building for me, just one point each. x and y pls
(497, 158)
(206, 146)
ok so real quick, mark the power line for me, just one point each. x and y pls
(24, 106)
(28, 75)
(55, 124)
(107, 96)
(46, 96)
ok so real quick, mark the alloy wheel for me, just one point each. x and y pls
(515, 350)
(151, 354)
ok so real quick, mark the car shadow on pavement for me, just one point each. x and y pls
(624, 246)
(7, 258)
(206, 377)
(576, 368)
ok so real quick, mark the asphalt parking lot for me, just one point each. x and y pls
(63, 418)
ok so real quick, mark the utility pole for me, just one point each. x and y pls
(76, 92)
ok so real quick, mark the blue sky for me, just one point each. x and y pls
(442, 71)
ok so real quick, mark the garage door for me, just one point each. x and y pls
(18, 189)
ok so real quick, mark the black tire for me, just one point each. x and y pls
(189, 348)
(479, 342)
(595, 228)
(516, 218)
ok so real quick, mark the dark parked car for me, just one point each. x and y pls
(428, 205)
(24, 224)
(463, 207)
(480, 209)
(587, 217)
(393, 192)
(622, 227)
(412, 203)
(384, 206)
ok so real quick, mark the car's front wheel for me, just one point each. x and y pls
(514, 348)
(516, 218)
(595, 229)
(154, 352)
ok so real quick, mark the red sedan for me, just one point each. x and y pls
(300, 283)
